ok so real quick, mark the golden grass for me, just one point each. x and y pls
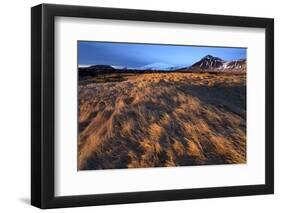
(193, 150)
(179, 148)
(162, 119)
(155, 132)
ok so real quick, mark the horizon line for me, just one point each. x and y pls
(172, 65)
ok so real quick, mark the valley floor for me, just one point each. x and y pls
(161, 119)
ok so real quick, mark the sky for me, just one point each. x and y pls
(133, 55)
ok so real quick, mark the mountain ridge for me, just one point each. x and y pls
(208, 63)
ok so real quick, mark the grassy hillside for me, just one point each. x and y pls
(161, 119)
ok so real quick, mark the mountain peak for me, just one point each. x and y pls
(211, 63)
(208, 62)
(208, 57)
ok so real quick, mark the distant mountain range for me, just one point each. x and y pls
(208, 63)
(161, 66)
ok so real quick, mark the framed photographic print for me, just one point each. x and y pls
(140, 106)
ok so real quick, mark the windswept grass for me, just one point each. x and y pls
(162, 119)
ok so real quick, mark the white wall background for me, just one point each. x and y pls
(15, 105)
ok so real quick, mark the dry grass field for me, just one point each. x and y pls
(161, 119)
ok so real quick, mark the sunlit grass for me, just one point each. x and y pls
(162, 119)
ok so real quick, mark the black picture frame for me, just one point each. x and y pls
(43, 102)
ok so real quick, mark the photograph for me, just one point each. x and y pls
(141, 105)
(160, 105)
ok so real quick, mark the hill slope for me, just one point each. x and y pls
(156, 120)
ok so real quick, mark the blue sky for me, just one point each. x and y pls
(133, 55)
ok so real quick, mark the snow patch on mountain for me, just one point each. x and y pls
(158, 66)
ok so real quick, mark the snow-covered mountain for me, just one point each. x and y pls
(236, 64)
(158, 66)
(210, 63)
(84, 65)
